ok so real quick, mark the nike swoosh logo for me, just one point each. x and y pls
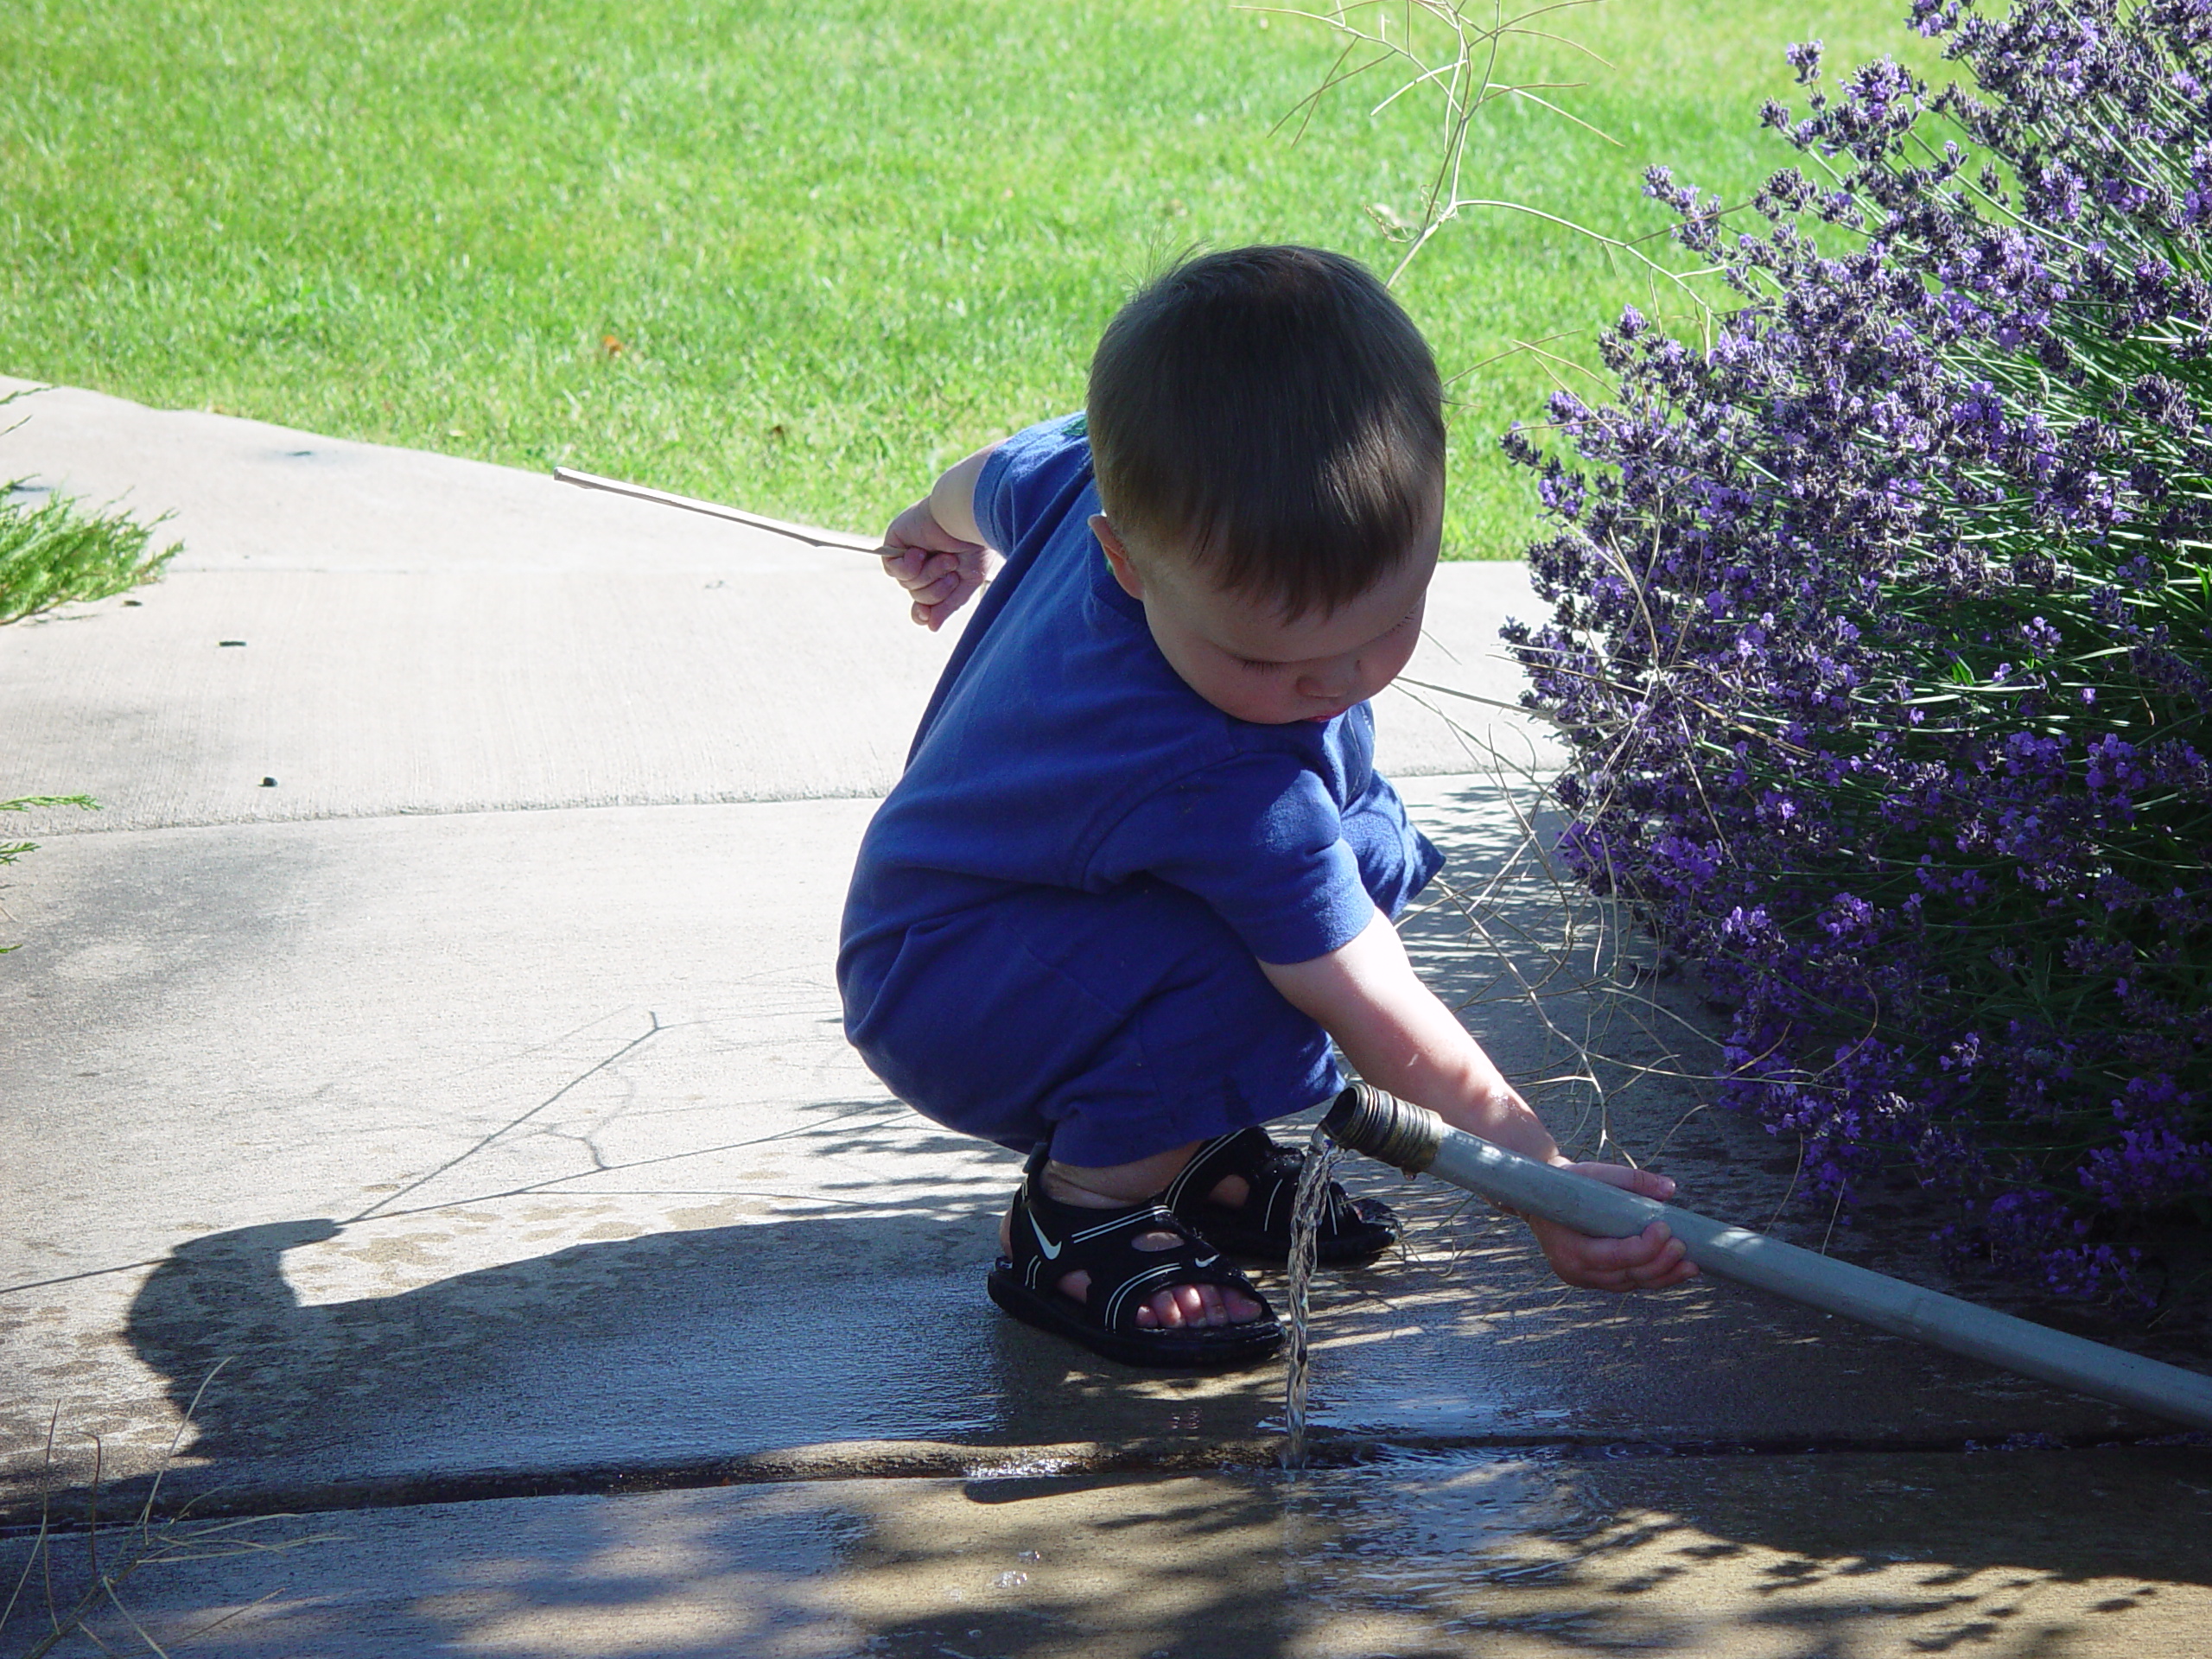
(1205, 1262)
(1051, 1250)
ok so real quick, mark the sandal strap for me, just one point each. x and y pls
(1269, 1169)
(1051, 1239)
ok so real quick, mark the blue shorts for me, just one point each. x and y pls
(1112, 1026)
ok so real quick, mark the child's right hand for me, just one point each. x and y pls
(939, 571)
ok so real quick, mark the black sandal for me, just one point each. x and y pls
(1051, 1239)
(1351, 1230)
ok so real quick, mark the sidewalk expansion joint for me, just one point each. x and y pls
(994, 1473)
(54, 833)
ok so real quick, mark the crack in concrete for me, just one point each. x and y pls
(420, 1182)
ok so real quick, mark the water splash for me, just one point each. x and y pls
(1321, 1155)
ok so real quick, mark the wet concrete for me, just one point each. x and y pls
(485, 1146)
(2050, 1555)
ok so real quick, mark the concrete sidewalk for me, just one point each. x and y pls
(383, 630)
(465, 1116)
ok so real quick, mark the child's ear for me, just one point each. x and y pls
(1117, 556)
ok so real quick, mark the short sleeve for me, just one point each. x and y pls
(1260, 840)
(1027, 477)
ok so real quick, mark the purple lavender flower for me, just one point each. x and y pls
(1883, 629)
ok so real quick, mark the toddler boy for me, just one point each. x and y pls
(1140, 870)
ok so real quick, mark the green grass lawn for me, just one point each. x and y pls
(794, 257)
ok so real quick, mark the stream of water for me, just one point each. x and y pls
(1321, 1155)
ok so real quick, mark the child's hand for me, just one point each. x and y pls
(1653, 1260)
(939, 571)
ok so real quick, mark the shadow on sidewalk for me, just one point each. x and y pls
(667, 1351)
(663, 1351)
(615, 1352)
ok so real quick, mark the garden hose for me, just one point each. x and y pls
(1417, 1140)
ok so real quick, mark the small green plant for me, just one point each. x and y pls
(55, 552)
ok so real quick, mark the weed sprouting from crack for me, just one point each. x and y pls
(1538, 942)
(1454, 53)
(116, 1552)
(1521, 941)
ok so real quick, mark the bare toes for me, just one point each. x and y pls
(1181, 1308)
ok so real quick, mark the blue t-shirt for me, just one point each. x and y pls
(1061, 750)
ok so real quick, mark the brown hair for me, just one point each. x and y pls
(1275, 413)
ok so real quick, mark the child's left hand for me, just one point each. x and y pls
(1653, 1260)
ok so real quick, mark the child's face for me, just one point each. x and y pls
(1241, 656)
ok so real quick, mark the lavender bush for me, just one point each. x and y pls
(1884, 630)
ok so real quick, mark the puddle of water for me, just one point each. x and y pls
(1321, 1155)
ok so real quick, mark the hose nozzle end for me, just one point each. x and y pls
(1384, 1128)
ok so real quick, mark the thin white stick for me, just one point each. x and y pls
(715, 510)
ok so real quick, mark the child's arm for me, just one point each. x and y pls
(935, 549)
(1400, 1037)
